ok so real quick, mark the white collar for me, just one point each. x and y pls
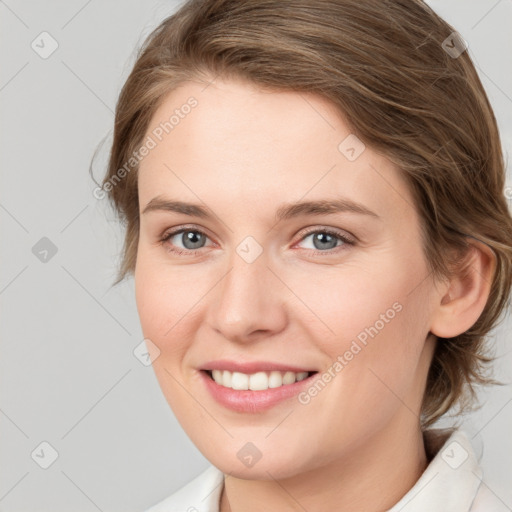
(450, 481)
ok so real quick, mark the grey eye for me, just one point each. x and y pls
(322, 240)
(190, 239)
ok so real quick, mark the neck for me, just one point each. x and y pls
(373, 477)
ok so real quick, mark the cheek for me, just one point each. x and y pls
(164, 291)
(372, 324)
(165, 298)
(350, 302)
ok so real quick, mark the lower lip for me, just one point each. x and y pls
(253, 401)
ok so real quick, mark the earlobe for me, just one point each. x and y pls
(462, 302)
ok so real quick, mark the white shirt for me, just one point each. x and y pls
(452, 482)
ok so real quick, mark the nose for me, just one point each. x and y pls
(249, 302)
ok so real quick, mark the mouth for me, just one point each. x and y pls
(255, 392)
(258, 381)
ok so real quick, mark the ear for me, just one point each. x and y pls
(463, 298)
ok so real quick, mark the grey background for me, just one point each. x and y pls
(68, 374)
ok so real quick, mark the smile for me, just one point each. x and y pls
(254, 392)
(258, 381)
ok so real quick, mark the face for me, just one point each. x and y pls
(299, 252)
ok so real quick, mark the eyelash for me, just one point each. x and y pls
(192, 252)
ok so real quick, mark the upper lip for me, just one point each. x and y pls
(250, 367)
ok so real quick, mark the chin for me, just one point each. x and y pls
(238, 463)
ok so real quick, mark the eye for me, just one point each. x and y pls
(190, 239)
(324, 240)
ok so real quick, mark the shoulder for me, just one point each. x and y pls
(201, 494)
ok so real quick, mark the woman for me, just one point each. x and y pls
(315, 220)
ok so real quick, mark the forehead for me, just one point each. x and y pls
(240, 144)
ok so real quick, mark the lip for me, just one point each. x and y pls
(249, 401)
(252, 366)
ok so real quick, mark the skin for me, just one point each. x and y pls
(242, 153)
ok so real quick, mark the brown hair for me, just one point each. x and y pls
(386, 66)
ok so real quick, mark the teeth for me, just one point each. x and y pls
(239, 381)
(256, 381)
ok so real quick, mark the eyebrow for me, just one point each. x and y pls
(284, 212)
